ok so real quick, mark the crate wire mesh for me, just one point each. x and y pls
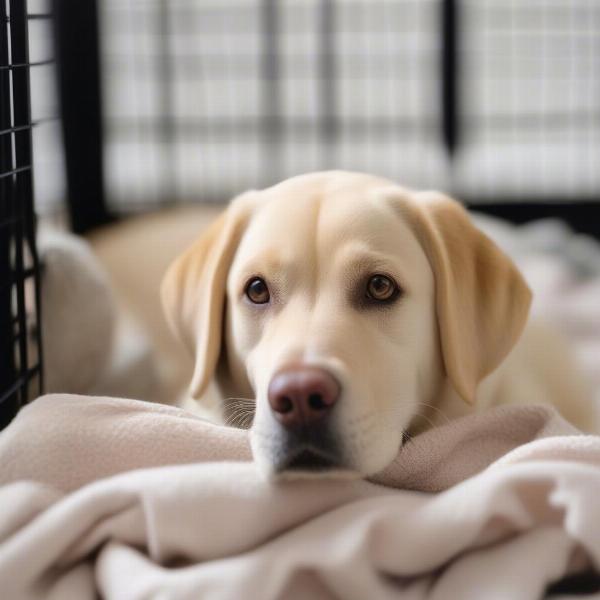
(20, 318)
(205, 99)
(531, 100)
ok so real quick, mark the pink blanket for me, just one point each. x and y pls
(129, 500)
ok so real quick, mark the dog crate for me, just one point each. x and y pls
(20, 344)
(175, 101)
(496, 102)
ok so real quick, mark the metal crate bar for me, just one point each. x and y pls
(24, 65)
(20, 367)
(449, 76)
(76, 35)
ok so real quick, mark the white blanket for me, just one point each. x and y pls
(487, 507)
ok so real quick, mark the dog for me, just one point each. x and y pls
(343, 313)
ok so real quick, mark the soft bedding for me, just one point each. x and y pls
(132, 500)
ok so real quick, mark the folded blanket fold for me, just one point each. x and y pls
(133, 500)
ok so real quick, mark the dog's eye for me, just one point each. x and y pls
(382, 288)
(257, 291)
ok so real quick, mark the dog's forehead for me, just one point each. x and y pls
(327, 216)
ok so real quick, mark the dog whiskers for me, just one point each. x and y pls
(240, 412)
(241, 400)
(428, 419)
(437, 408)
(425, 405)
(242, 421)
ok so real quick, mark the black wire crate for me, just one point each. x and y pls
(493, 101)
(20, 317)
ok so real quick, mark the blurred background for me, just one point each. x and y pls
(493, 100)
(148, 115)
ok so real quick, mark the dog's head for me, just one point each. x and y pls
(342, 303)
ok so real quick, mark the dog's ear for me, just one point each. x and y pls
(193, 290)
(482, 300)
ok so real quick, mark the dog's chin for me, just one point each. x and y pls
(293, 471)
(322, 458)
(304, 464)
(309, 463)
(303, 469)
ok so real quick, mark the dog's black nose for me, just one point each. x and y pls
(302, 395)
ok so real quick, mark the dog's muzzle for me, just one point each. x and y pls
(302, 399)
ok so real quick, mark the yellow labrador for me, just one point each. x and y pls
(356, 312)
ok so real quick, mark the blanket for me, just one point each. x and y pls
(128, 500)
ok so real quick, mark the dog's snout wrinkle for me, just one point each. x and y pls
(300, 396)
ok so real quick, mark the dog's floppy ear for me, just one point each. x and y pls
(482, 300)
(193, 290)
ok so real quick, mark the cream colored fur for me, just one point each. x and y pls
(451, 344)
